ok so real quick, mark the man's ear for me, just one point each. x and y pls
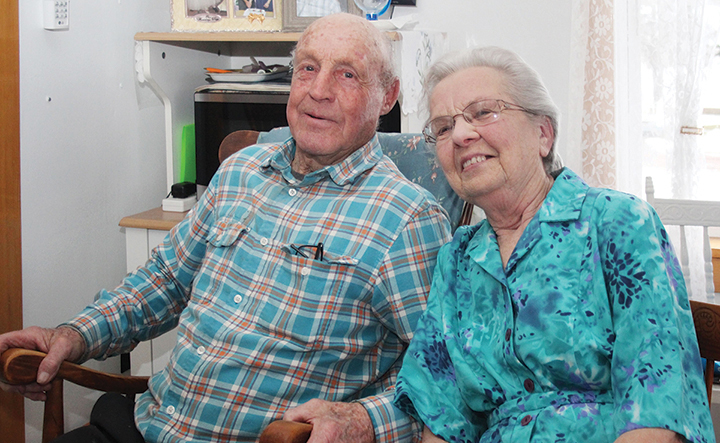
(391, 95)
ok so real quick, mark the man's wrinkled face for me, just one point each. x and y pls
(336, 98)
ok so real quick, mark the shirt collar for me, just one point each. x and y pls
(563, 203)
(347, 171)
(565, 199)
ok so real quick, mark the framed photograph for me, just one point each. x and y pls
(227, 15)
(298, 14)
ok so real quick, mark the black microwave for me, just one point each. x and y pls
(218, 112)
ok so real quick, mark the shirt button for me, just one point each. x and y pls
(508, 333)
(170, 410)
(264, 241)
(529, 385)
(526, 420)
(292, 192)
(305, 271)
(201, 350)
(237, 298)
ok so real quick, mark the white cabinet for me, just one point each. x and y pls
(143, 232)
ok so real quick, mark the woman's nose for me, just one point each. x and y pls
(464, 132)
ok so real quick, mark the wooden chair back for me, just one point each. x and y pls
(706, 317)
(236, 141)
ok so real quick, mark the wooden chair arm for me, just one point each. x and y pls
(20, 366)
(284, 431)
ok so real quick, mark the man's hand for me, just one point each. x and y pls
(334, 422)
(60, 344)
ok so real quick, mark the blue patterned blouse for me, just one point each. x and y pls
(585, 334)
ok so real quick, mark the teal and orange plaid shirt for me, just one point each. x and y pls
(263, 328)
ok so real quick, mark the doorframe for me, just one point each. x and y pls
(12, 413)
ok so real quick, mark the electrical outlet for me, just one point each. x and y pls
(55, 14)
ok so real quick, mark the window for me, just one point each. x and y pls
(680, 89)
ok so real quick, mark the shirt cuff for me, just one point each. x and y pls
(390, 423)
(92, 328)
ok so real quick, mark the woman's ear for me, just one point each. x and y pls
(547, 136)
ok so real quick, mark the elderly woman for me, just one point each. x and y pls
(562, 317)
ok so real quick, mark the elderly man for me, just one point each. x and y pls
(296, 280)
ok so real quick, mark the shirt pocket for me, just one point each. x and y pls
(312, 304)
(223, 259)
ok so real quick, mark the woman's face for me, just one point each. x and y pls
(497, 160)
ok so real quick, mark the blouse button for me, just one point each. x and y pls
(237, 298)
(201, 350)
(508, 333)
(264, 241)
(305, 271)
(529, 385)
(170, 410)
(292, 192)
(526, 420)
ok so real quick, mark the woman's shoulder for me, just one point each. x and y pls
(613, 203)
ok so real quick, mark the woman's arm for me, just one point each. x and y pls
(645, 435)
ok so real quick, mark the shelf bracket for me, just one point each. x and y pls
(144, 75)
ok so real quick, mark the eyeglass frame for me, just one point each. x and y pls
(432, 140)
(319, 250)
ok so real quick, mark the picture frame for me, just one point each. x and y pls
(227, 15)
(293, 22)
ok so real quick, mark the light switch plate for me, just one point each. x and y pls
(55, 14)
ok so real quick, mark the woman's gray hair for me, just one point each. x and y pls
(523, 85)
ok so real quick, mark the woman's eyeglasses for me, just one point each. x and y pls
(479, 113)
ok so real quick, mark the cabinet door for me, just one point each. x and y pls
(151, 356)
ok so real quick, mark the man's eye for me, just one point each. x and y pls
(308, 68)
(348, 75)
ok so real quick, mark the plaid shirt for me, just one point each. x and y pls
(262, 328)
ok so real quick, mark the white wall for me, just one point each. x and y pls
(539, 31)
(94, 152)
(90, 154)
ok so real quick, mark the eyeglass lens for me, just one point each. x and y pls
(478, 113)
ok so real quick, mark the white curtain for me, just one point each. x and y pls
(637, 74)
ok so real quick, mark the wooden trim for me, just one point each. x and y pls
(12, 417)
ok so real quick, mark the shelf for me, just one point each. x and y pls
(218, 36)
(229, 36)
(153, 219)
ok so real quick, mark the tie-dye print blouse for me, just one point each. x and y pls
(585, 334)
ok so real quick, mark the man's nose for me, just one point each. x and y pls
(322, 86)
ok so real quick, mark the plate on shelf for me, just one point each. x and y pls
(246, 77)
